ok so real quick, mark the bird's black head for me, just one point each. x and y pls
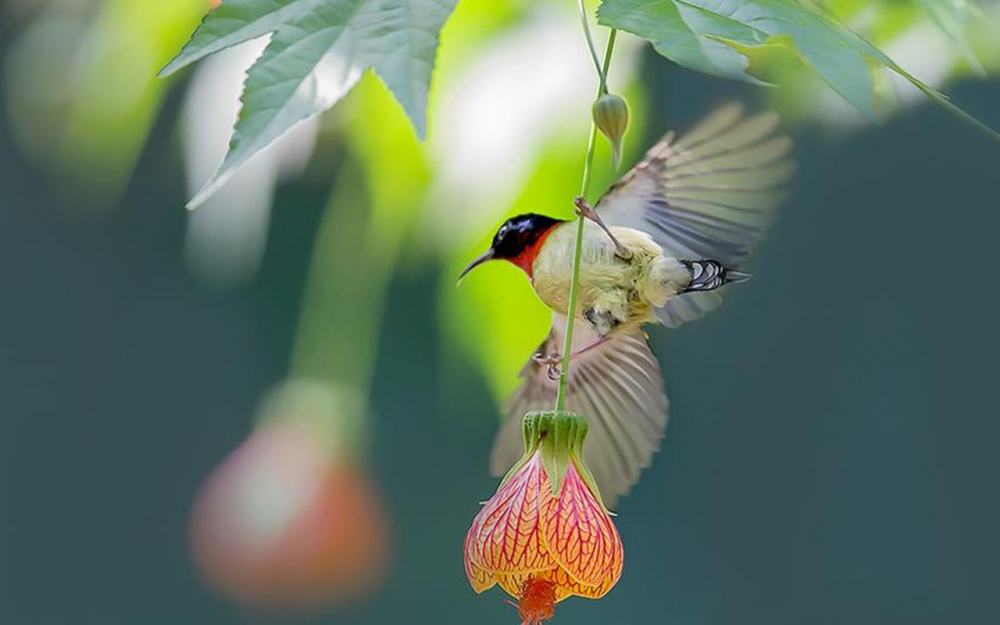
(517, 241)
(519, 234)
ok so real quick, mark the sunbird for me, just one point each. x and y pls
(661, 245)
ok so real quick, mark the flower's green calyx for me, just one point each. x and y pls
(558, 436)
(610, 113)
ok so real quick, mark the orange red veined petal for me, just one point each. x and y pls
(580, 535)
(480, 579)
(505, 536)
(525, 532)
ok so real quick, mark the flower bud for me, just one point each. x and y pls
(610, 113)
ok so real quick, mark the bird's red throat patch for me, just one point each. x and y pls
(526, 259)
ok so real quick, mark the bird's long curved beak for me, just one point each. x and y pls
(479, 260)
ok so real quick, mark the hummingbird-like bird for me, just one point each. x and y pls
(661, 245)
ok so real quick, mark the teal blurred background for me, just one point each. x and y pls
(831, 452)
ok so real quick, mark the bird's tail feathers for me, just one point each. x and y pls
(708, 275)
(735, 276)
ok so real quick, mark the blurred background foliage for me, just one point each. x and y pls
(833, 460)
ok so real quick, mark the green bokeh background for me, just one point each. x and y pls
(830, 458)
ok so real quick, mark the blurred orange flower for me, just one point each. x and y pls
(545, 535)
(287, 523)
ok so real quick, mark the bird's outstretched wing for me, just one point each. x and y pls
(710, 194)
(617, 386)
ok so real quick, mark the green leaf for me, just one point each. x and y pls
(714, 36)
(680, 33)
(953, 17)
(317, 52)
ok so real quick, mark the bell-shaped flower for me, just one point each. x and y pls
(290, 521)
(545, 535)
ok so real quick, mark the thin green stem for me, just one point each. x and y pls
(607, 61)
(588, 166)
(601, 74)
(342, 351)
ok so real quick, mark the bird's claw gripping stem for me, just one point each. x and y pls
(552, 363)
(587, 211)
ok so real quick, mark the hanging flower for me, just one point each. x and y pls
(545, 535)
(289, 521)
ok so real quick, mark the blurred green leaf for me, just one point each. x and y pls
(395, 165)
(715, 36)
(317, 52)
(82, 93)
(953, 18)
(375, 201)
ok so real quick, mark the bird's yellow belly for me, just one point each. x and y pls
(617, 288)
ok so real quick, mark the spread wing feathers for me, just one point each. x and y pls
(617, 386)
(708, 195)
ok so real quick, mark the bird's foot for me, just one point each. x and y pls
(552, 363)
(585, 210)
(594, 345)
